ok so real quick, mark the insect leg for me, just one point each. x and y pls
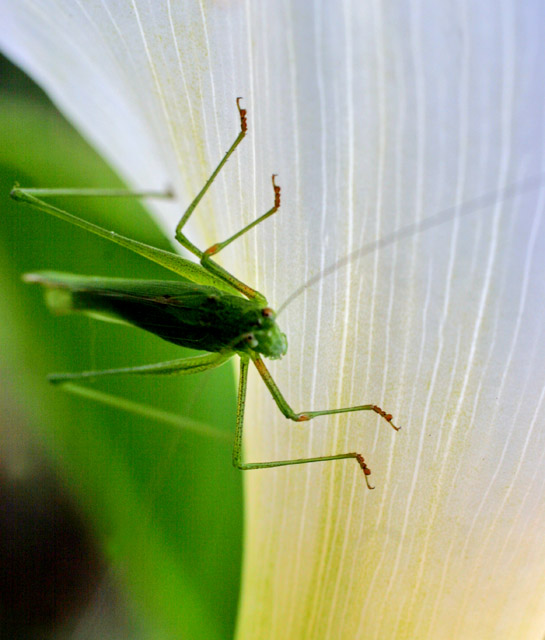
(205, 256)
(92, 193)
(237, 448)
(189, 365)
(308, 415)
(181, 366)
(171, 261)
(216, 248)
(218, 271)
(182, 239)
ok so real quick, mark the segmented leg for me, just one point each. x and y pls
(308, 415)
(167, 259)
(181, 366)
(205, 256)
(237, 448)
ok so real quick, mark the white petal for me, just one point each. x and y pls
(376, 116)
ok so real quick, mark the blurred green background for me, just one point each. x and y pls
(161, 508)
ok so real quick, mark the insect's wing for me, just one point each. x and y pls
(64, 293)
(184, 313)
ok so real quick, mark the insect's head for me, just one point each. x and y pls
(265, 336)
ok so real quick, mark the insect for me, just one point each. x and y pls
(212, 311)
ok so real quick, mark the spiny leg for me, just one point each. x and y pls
(205, 256)
(237, 448)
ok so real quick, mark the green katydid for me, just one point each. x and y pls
(213, 312)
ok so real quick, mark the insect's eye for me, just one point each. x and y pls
(267, 312)
(250, 339)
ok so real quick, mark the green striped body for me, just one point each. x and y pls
(187, 314)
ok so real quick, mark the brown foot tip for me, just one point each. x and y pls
(387, 416)
(243, 122)
(364, 468)
(276, 193)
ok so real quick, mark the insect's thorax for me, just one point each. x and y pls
(209, 319)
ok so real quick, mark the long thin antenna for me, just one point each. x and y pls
(471, 206)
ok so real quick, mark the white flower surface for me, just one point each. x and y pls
(386, 123)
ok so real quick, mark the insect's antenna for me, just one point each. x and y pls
(471, 206)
